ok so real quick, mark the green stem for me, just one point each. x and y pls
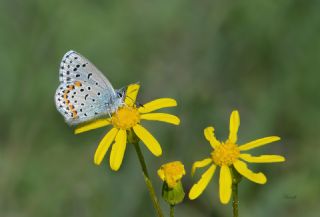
(235, 200)
(152, 193)
(171, 210)
(236, 178)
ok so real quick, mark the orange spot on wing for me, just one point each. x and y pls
(65, 97)
(78, 83)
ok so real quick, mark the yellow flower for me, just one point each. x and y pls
(228, 154)
(128, 118)
(171, 173)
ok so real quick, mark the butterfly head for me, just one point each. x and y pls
(121, 94)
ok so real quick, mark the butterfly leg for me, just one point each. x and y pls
(110, 116)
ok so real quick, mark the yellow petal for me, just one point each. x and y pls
(131, 94)
(234, 126)
(262, 158)
(225, 183)
(242, 168)
(171, 119)
(118, 149)
(209, 134)
(258, 142)
(200, 164)
(199, 187)
(104, 146)
(157, 104)
(92, 125)
(161, 174)
(146, 137)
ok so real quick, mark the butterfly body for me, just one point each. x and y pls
(84, 92)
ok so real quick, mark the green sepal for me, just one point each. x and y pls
(174, 195)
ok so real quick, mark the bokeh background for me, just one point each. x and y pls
(261, 57)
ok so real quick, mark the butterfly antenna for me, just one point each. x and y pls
(137, 103)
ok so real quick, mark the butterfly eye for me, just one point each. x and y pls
(119, 94)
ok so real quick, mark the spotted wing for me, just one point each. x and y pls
(80, 101)
(75, 67)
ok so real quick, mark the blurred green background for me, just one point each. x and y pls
(261, 57)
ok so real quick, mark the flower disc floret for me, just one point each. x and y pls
(125, 118)
(172, 173)
(225, 154)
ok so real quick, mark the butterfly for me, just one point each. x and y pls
(84, 93)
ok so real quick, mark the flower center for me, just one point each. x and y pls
(125, 117)
(225, 154)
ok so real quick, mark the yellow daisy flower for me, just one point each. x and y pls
(228, 154)
(124, 120)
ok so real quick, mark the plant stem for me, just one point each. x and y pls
(235, 200)
(147, 180)
(171, 210)
(236, 178)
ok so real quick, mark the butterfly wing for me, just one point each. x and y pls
(75, 67)
(80, 102)
(84, 92)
